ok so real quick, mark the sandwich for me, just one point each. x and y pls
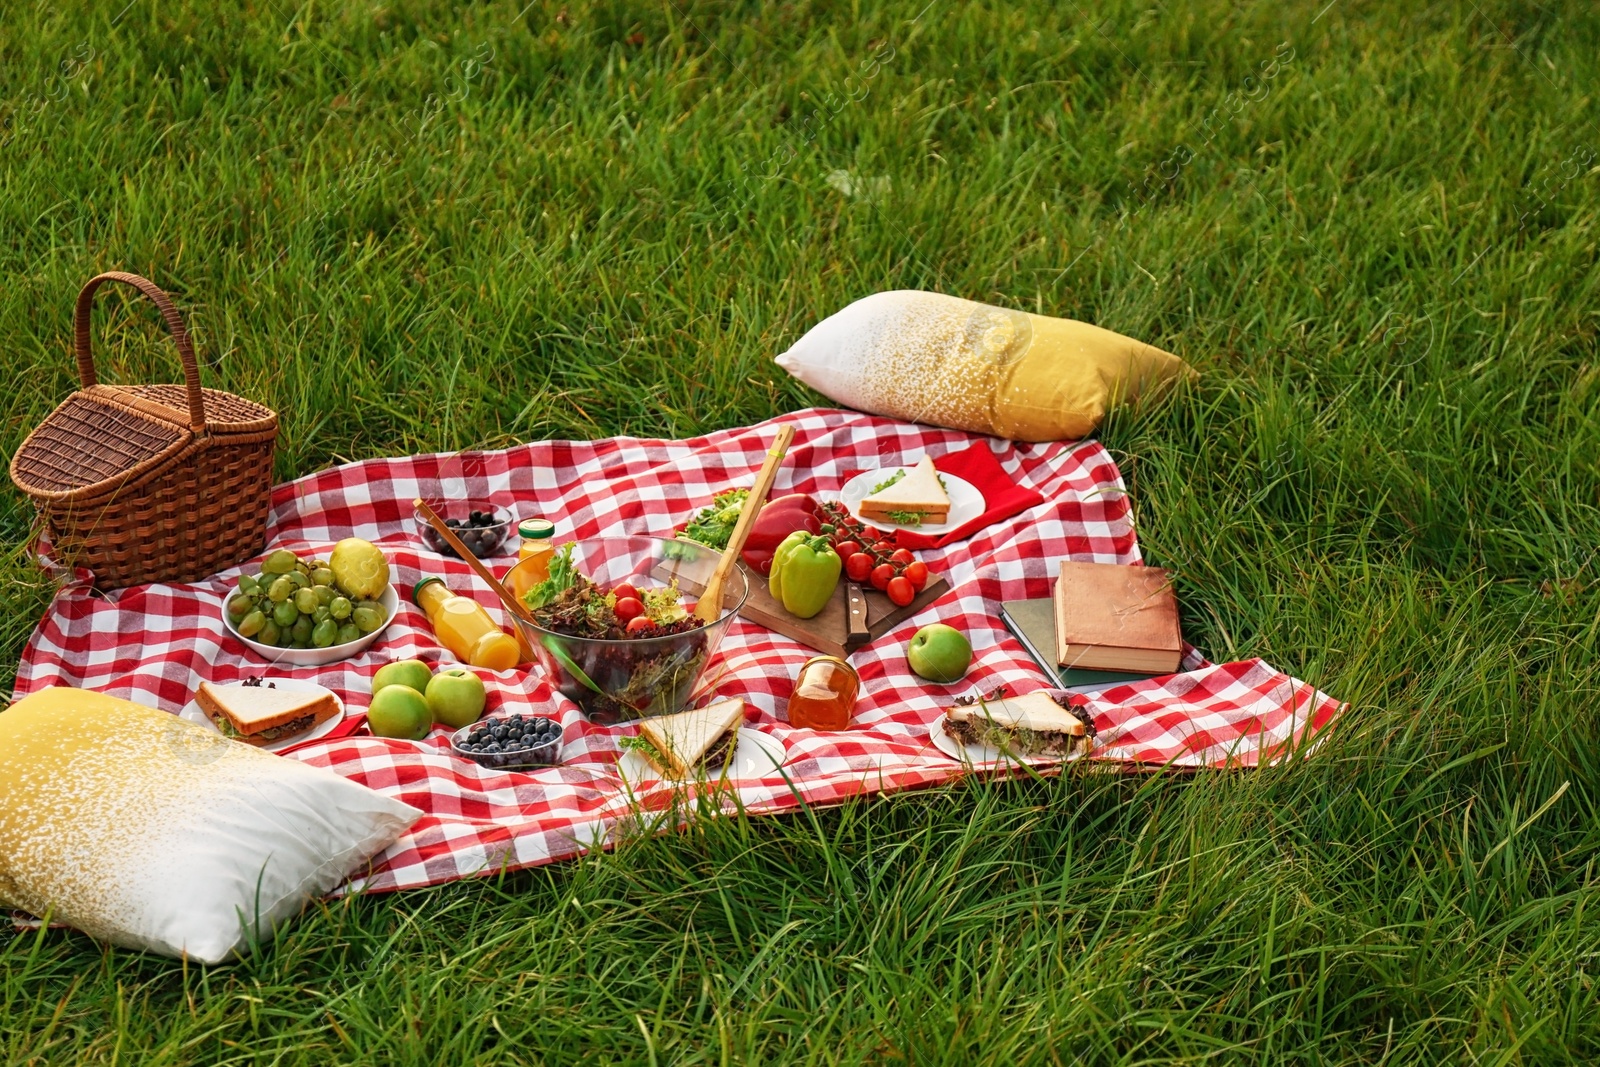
(1040, 723)
(910, 499)
(261, 714)
(680, 745)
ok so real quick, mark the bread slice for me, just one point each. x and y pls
(261, 715)
(1034, 724)
(919, 493)
(678, 745)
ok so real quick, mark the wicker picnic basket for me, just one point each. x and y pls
(149, 483)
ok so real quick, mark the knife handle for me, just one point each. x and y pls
(857, 632)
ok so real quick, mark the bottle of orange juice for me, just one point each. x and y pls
(465, 628)
(537, 542)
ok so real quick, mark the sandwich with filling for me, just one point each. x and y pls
(681, 745)
(1040, 723)
(916, 498)
(261, 714)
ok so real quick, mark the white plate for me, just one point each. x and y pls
(316, 657)
(754, 755)
(966, 503)
(985, 755)
(192, 713)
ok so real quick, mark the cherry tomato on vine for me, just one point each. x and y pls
(881, 575)
(846, 549)
(901, 592)
(858, 566)
(883, 548)
(917, 574)
(902, 556)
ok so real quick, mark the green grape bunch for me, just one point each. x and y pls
(298, 602)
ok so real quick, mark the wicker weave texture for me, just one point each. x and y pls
(149, 483)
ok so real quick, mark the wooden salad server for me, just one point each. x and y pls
(512, 604)
(709, 607)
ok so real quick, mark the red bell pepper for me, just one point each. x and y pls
(777, 520)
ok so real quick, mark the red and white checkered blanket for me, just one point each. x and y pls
(154, 644)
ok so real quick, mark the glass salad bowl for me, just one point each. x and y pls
(616, 679)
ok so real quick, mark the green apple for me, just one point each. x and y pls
(456, 697)
(399, 711)
(412, 673)
(939, 653)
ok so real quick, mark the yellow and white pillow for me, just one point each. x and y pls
(149, 832)
(927, 357)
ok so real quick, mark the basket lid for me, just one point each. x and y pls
(225, 412)
(92, 438)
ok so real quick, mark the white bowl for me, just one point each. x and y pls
(317, 657)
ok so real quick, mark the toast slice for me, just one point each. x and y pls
(1034, 724)
(261, 715)
(919, 493)
(679, 745)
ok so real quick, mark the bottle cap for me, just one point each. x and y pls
(429, 580)
(533, 529)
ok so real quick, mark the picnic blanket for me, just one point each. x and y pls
(154, 644)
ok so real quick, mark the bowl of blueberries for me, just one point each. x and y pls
(509, 742)
(483, 528)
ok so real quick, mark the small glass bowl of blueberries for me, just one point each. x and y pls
(509, 741)
(483, 528)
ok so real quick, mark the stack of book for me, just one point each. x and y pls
(1105, 625)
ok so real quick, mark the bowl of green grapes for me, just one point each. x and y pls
(305, 611)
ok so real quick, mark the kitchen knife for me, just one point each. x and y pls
(855, 606)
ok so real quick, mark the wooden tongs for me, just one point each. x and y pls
(709, 607)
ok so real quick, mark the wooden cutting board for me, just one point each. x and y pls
(829, 630)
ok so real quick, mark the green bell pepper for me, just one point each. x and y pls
(805, 571)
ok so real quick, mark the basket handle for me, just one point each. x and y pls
(169, 314)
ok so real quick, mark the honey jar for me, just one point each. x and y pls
(824, 694)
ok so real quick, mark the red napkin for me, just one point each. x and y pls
(352, 724)
(1002, 497)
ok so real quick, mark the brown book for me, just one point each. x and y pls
(1115, 618)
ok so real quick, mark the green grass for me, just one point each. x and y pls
(1381, 257)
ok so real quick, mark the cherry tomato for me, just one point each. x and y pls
(639, 624)
(881, 574)
(901, 591)
(625, 591)
(858, 566)
(902, 556)
(883, 548)
(629, 608)
(846, 549)
(917, 574)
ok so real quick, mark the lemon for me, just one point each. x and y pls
(359, 568)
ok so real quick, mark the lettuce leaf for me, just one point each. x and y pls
(563, 576)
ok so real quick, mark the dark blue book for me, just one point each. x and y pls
(1033, 624)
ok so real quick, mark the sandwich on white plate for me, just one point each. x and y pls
(1041, 723)
(917, 498)
(262, 715)
(690, 742)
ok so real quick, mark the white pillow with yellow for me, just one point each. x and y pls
(146, 831)
(928, 357)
